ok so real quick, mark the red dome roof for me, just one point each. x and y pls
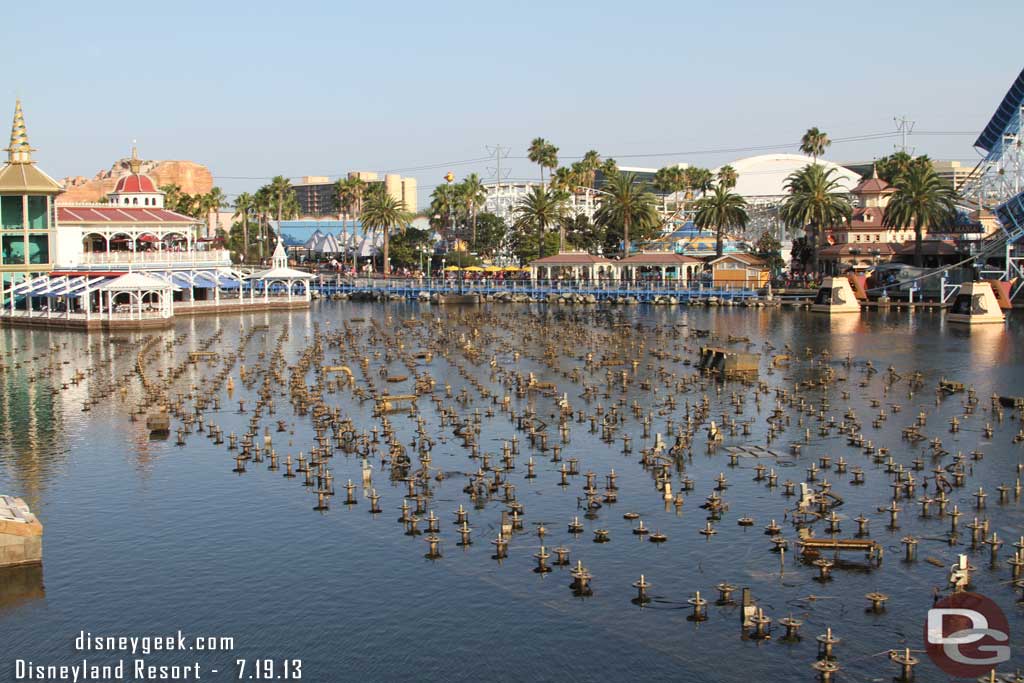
(135, 182)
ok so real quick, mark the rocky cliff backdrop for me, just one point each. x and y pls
(191, 177)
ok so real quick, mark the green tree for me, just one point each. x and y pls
(816, 201)
(244, 206)
(670, 180)
(814, 142)
(383, 213)
(444, 210)
(529, 245)
(588, 167)
(922, 199)
(409, 246)
(172, 197)
(544, 154)
(582, 233)
(491, 232)
(768, 248)
(721, 210)
(727, 177)
(802, 252)
(565, 179)
(698, 180)
(473, 196)
(539, 209)
(891, 167)
(627, 204)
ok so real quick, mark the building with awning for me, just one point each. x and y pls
(666, 264)
(575, 265)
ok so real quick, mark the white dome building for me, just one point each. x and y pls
(764, 177)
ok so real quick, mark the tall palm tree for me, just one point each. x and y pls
(816, 201)
(473, 196)
(589, 165)
(922, 199)
(700, 180)
(213, 202)
(721, 210)
(625, 203)
(544, 154)
(670, 180)
(541, 208)
(727, 177)
(263, 205)
(244, 204)
(814, 142)
(565, 179)
(384, 213)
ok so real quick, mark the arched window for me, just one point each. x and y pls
(125, 200)
(135, 200)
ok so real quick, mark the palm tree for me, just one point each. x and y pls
(922, 199)
(700, 180)
(565, 179)
(540, 208)
(727, 177)
(670, 180)
(244, 204)
(816, 200)
(626, 203)
(384, 213)
(473, 197)
(722, 210)
(589, 165)
(814, 142)
(213, 202)
(263, 205)
(544, 154)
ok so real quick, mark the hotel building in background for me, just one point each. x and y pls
(317, 197)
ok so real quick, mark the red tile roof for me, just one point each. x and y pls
(859, 219)
(135, 182)
(118, 215)
(873, 186)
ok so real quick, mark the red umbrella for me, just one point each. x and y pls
(148, 238)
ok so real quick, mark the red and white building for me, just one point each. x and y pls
(132, 229)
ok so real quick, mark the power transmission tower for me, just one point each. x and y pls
(498, 152)
(903, 129)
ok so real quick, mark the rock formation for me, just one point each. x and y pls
(193, 178)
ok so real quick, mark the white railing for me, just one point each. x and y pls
(148, 257)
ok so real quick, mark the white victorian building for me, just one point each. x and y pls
(129, 262)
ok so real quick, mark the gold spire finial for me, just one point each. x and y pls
(19, 152)
(135, 164)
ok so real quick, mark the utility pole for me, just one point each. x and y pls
(903, 129)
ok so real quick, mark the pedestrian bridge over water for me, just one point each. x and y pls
(610, 290)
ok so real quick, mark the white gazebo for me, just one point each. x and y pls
(135, 296)
(280, 274)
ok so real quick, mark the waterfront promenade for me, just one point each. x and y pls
(603, 290)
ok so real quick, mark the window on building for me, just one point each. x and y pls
(37, 213)
(135, 200)
(38, 249)
(13, 249)
(10, 212)
(125, 200)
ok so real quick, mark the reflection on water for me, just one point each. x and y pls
(20, 584)
(145, 536)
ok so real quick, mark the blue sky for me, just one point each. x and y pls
(254, 89)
